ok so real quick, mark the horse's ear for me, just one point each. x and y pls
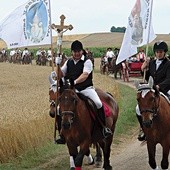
(150, 82)
(156, 90)
(137, 84)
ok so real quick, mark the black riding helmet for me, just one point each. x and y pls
(76, 46)
(160, 45)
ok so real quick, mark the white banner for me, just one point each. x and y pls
(139, 30)
(27, 25)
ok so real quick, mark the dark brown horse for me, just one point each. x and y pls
(155, 111)
(80, 128)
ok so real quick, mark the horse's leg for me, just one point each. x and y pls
(98, 157)
(115, 74)
(165, 162)
(89, 158)
(84, 148)
(105, 145)
(151, 153)
(73, 154)
(106, 153)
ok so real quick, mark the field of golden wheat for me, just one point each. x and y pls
(24, 106)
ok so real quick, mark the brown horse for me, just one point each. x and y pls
(80, 128)
(155, 111)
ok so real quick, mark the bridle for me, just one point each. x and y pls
(155, 109)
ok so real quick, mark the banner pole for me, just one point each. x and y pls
(52, 50)
(147, 47)
(52, 55)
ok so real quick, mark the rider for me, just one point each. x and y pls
(79, 68)
(25, 53)
(159, 69)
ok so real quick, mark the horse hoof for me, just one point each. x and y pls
(72, 168)
(97, 162)
(108, 168)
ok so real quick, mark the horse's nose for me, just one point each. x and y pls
(66, 125)
(52, 114)
(147, 123)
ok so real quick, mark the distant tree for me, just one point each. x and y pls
(118, 29)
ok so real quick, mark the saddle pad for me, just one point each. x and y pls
(106, 109)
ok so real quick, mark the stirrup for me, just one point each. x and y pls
(60, 140)
(141, 136)
(107, 132)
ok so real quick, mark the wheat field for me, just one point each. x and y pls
(24, 106)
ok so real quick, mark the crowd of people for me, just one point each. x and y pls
(14, 54)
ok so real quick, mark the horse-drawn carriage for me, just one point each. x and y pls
(110, 68)
(134, 64)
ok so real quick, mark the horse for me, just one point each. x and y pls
(80, 127)
(155, 111)
(26, 59)
(104, 66)
(116, 68)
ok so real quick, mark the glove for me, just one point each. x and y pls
(54, 75)
(72, 82)
(57, 61)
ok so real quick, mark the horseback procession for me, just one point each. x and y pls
(86, 116)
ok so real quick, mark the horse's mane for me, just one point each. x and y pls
(69, 84)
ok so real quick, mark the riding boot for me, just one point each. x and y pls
(106, 131)
(141, 135)
(61, 139)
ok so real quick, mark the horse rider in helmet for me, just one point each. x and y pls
(80, 69)
(159, 69)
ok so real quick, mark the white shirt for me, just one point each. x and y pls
(38, 52)
(88, 66)
(109, 54)
(25, 52)
(158, 63)
(12, 52)
(49, 53)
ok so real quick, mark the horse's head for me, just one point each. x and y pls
(148, 101)
(67, 103)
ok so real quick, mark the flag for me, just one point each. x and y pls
(139, 30)
(27, 25)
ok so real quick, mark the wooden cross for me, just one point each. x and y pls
(61, 28)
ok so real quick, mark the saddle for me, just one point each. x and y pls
(92, 107)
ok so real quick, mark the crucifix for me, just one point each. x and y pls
(60, 30)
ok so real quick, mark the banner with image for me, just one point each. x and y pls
(139, 30)
(27, 25)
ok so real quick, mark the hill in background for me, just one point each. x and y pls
(106, 39)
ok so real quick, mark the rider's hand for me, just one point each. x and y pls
(57, 61)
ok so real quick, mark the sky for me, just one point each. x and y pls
(95, 16)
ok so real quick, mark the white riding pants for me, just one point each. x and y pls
(92, 94)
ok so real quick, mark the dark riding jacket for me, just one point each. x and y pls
(161, 76)
(75, 70)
